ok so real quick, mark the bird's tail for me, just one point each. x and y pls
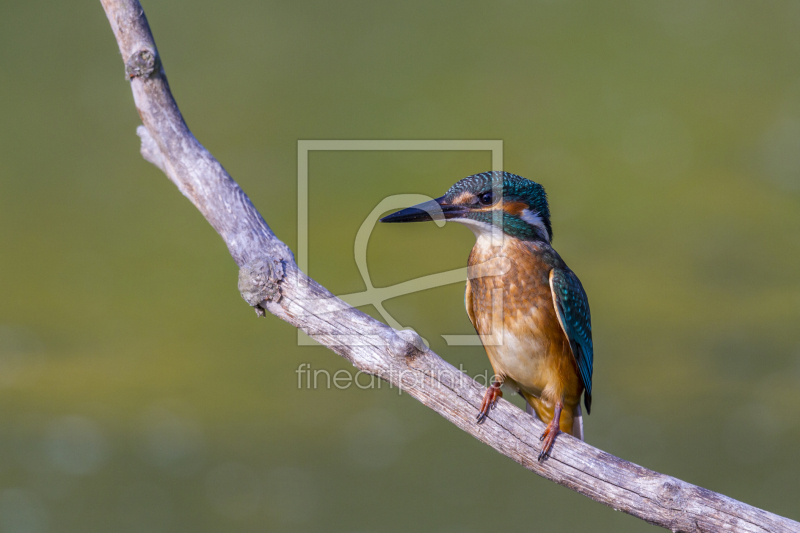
(577, 420)
(577, 424)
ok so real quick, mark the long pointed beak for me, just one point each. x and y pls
(427, 211)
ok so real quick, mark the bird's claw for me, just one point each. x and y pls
(484, 412)
(548, 438)
(493, 394)
(542, 456)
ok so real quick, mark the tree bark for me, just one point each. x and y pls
(270, 281)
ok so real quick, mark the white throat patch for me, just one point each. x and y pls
(534, 219)
(482, 230)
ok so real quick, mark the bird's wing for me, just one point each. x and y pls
(572, 308)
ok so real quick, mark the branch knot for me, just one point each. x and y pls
(141, 64)
(670, 494)
(259, 282)
(406, 343)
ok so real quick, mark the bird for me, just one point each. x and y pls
(544, 350)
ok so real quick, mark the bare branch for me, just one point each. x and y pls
(270, 280)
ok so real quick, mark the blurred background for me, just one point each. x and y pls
(139, 393)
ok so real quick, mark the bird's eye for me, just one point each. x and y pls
(486, 198)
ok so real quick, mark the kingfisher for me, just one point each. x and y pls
(544, 350)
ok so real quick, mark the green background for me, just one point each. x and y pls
(138, 392)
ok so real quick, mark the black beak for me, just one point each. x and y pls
(427, 211)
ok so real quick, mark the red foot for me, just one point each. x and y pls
(493, 393)
(552, 430)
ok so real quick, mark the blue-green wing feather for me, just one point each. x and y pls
(572, 307)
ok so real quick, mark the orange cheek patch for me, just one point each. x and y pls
(514, 208)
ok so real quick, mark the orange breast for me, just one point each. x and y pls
(531, 351)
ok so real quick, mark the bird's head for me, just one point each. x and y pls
(486, 202)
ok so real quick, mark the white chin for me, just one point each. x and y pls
(480, 229)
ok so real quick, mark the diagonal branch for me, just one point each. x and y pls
(270, 280)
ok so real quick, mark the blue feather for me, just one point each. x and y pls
(572, 307)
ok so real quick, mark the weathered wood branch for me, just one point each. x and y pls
(270, 280)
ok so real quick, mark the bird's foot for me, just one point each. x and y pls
(493, 393)
(548, 438)
(552, 430)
